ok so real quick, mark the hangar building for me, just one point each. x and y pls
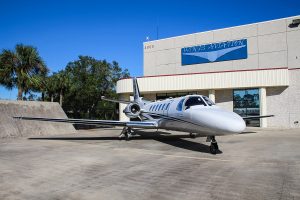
(252, 69)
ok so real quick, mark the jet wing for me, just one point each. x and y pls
(258, 117)
(132, 124)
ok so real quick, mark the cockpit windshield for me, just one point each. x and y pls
(194, 101)
(208, 101)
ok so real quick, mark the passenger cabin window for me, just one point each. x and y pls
(159, 107)
(150, 108)
(180, 104)
(167, 106)
(208, 101)
(194, 101)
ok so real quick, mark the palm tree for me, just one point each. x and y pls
(50, 87)
(21, 68)
(60, 83)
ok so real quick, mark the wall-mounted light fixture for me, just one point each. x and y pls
(295, 23)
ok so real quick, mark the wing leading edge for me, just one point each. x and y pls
(132, 124)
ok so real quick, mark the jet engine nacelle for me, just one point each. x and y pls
(133, 110)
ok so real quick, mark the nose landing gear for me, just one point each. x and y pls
(213, 145)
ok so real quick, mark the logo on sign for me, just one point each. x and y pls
(214, 52)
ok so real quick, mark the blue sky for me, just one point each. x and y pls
(116, 30)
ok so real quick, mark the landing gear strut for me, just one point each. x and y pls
(192, 135)
(213, 145)
(126, 133)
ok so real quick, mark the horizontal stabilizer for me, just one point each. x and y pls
(115, 100)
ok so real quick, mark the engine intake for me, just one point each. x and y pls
(133, 110)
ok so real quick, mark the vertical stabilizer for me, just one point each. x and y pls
(136, 91)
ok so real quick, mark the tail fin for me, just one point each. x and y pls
(136, 91)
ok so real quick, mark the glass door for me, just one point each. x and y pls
(246, 103)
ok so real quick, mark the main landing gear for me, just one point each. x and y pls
(213, 145)
(192, 135)
(126, 133)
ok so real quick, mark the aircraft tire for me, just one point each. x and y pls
(212, 149)
(216, 146)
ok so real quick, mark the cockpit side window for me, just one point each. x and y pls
(194, 101)
(180, 104)
(208, 101)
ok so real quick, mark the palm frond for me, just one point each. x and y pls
(22, 68)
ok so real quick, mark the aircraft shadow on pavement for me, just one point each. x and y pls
(247, 132)
(186, 144)
(178, 141)
(159, 136)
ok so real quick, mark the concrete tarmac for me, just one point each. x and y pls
(259, 164)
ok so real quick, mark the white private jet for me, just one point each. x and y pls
(194, 114)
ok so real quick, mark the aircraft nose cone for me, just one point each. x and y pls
(238, 125)
(220, 120)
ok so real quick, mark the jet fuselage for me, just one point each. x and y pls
(195, 114)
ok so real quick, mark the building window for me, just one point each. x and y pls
(246, 103)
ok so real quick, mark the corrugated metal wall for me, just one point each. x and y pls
(238, 79)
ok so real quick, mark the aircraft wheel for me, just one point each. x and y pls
(216, 146)
(212, 149)
(127, 137)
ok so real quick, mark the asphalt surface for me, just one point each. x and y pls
(262, 164)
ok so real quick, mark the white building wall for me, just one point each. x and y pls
(269, 44)
(192, 82)
(277, 99)
(294, 98)
(224, 99)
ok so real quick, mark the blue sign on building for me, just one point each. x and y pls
(214, 52)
